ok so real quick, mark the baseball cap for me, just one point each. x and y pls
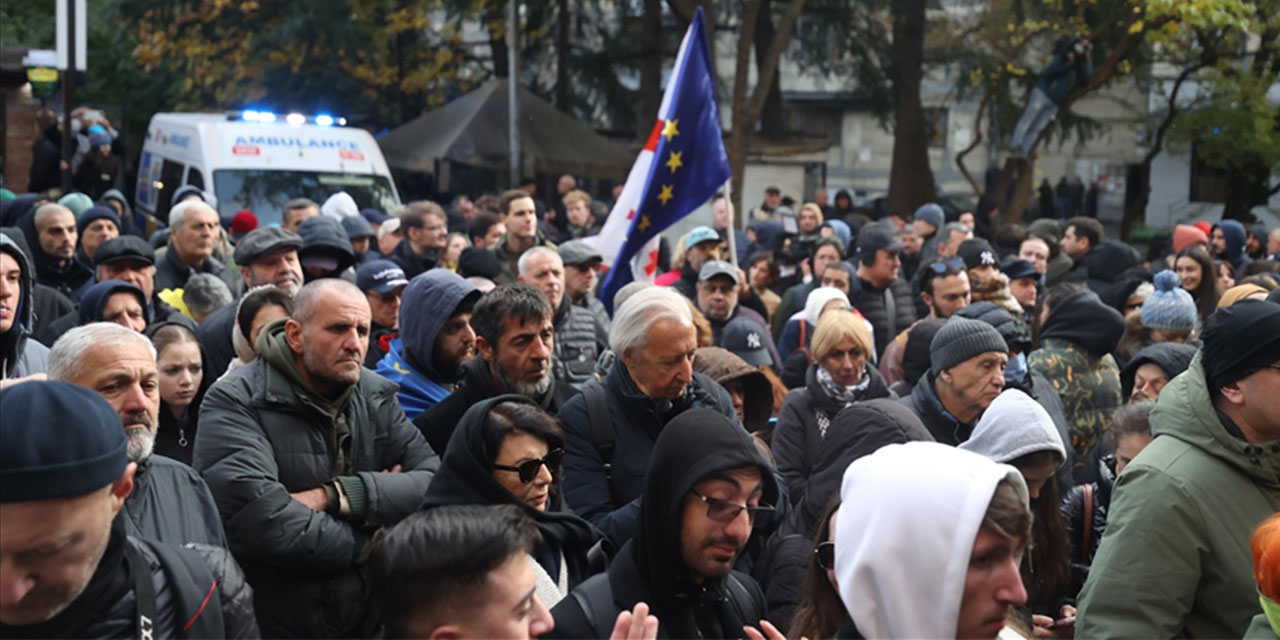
(700, 235)
(380, 276)
(124, 248)
(976, 252)
(389, 227)
(264, 240)
(1017, 268)
(576, 252)
(713, 268)
(876, 238)
(746, 339)
(374, 216)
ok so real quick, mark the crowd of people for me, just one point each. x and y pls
(426, 423)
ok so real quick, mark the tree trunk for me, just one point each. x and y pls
(562, 56)
(771, 124)
(910, 178)
(496, 19)
(650, 97)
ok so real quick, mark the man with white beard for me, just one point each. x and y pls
(170, 502)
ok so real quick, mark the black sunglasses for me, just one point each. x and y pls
(726, 512)
(825, 553)
(941, 265)
(529, 469)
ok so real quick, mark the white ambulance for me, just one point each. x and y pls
(258, 161)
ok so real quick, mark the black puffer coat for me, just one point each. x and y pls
(108, 606)
(870, 302)
(264, 436)
(860, 430)
(803, 426)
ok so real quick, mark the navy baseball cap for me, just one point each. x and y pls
(746, 339)
(380, 276)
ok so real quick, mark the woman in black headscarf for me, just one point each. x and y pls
(507, 450)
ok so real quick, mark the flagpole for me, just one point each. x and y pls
(733, 222)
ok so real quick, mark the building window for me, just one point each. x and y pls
(1208, 184)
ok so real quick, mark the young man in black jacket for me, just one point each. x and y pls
(705, 489)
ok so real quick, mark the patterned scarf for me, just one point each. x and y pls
(840, 393)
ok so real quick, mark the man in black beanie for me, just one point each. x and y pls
(1184, 509)
(70, 570)
(966, 372)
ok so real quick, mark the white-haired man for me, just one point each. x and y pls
(169, 502)
(652, 382)
(195, 233)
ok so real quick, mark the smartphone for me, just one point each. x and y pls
(1069, 621)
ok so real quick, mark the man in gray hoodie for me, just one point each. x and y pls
(435, 339)
(20, 356)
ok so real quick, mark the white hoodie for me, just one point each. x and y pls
(1013, 426)
(340, 205)
(908, 519)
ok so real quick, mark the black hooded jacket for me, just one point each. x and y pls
(650, 568)
(1172, 358)
(48, 303)
(20, 355)
(439, 422)
(465, 476)
(1083, 319)
(411, 262)
(857, 431)
(924, 402)
(325, 236)
(66, 278)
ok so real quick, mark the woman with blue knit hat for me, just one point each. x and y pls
(1169, 313)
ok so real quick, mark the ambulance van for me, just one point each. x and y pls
(258, 161)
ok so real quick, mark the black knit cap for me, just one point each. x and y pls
(961, 339)
(57, 440)
(1239, 340)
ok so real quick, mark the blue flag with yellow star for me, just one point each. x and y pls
(682, 166)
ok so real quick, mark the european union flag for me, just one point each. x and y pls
(681, 167)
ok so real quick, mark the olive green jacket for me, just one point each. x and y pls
(1176, 560)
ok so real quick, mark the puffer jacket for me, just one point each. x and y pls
(1073, 512)
(803, 422)
(172, 273)
(20, 355)
(611, 499)
(1075, 356)
(264, 435)
(1179, 526)
(170, 503)
(579, 341)
(924, 402)
(212, 595)
(870, 302)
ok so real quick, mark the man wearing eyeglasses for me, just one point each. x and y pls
(307, 454)
(1183, 510)
(706, 488)
(425, 234)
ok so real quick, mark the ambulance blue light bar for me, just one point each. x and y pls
(296, 119)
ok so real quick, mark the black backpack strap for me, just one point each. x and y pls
(600, 421)
(198, 603)
(595, 597)
(744, 601)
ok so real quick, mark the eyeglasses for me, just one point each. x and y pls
(529, 469)
(941, 265)
(825, 553)
(726, 512)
